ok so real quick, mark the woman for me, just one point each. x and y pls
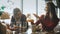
(18, 19)
(50, 20)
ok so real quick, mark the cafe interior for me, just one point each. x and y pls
(24, 17)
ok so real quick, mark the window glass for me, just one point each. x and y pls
(9, 6)
(29, 7)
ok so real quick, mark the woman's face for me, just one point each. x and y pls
(18, 15)
(46, 8)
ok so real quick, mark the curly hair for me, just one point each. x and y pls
(16, 10)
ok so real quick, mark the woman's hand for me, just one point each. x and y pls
(36, 15)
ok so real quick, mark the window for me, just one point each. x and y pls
(29, 7)
(9, 6)
(26, 6)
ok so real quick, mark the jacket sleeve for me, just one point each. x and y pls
(40, 20)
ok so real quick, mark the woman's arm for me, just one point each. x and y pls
(40, 20)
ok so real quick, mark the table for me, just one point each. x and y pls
(29, 31)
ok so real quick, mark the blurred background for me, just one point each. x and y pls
(28, 7)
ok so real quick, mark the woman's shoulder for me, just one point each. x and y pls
(23, 15)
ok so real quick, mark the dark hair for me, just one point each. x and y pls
(51, 8)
